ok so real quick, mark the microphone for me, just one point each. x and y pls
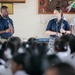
(62, 24)
(10, 26)
(8, 23)
(57, 26)
(56, 20)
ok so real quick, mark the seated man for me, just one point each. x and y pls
(6, 25)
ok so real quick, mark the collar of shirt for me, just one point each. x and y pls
(3, 18)
(61, 20)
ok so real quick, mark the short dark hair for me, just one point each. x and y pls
(4, 7)
(34, 58)
(67, 37)
(32, 40)
(63, 69)
(58, 9)
(49, 60)
(14, 43)
(72, 45)
(60, 45)
(19, 59)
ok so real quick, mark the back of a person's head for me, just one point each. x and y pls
(5, 52)
(60, 45)
(67, 37)
(38, 48)
(61, 69)
(32, 40)
(19, 61)
(15, 39)
(49, 60)
(33, 62)
(34, 57)
(42, 48)
(11, 46)
(53, 59)
(19, 58)
(72, 45)
(14, 43)
(35, 65)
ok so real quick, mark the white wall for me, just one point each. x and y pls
(27, 21)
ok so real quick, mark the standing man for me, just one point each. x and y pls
(6, 25)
